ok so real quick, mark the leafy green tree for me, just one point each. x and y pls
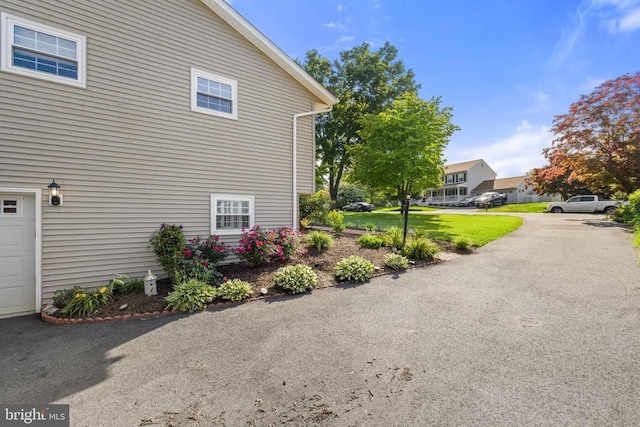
(349, 193)
(404, 146)
(365, 82)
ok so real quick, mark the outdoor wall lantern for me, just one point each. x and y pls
(55, 197)
(150, 287)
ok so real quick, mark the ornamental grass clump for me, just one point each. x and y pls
(319, 240)
(395, 237)
(336, 221)
(371, 241)
(296, 278)
(396, 262)
(421, 248)
(190, 295)
(462, 243)
(235, 290)
(354, 269)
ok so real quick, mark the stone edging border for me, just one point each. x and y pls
(147, 315)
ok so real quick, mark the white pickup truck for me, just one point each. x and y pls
(584, 203)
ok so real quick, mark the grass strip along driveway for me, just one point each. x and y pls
(479, 229)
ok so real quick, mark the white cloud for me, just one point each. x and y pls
(631, 21)
(570, 36)
(341, 7)
(542, 96)
(377, 4)
(346, 39)
(513, 155)
(617, 16)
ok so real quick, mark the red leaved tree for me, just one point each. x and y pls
(597, 143)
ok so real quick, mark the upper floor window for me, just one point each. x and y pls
(36, 50)
(455, 178)
(213, 94)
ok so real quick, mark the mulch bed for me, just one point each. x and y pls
(323, 263)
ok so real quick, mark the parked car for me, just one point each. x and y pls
(467, 201)
(584, 203)
(491, 198)
(359, 207)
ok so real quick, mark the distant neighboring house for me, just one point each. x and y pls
(144, 113)
(475, 177)
(458, 181)
(515, 188)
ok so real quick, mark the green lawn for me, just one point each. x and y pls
(479, 229)
(537, 207)
(412, 208)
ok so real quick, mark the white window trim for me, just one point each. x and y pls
(209, 76)
(7, 23)
(226, 231)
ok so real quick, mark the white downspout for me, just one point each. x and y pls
(295, 160)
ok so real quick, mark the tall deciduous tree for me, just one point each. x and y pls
(365, 82)
(597, 142)
(404, 145)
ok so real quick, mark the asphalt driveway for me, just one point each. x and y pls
(540, 328)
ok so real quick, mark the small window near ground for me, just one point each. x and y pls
(230, 214)
(212, 94)
(43, 52)
(10, 206)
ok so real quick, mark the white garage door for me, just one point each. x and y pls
(17, 254)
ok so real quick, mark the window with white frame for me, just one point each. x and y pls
(212, 94)
(230, 214)
(36, 50)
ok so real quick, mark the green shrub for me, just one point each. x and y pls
(85, 302)
(315, 206)
(634, 207)
(336, 221)
(296, 278)
(193, 294)
(395, 236)
(168, 244)
(123, 285)
(370, 226)
(354, 269)
(319, 240)
(371, 241)
(235, 290)
(420, 248)
(62, 297)
(396, 261)
(462, 243)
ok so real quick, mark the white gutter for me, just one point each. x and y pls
(295, 159)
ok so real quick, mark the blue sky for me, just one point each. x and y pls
(507, 67)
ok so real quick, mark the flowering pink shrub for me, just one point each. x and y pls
(260, 246)
(200, 258)
(210, 250)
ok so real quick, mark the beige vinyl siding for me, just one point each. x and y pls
(128, 151)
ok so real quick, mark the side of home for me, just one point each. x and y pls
(144, 113)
